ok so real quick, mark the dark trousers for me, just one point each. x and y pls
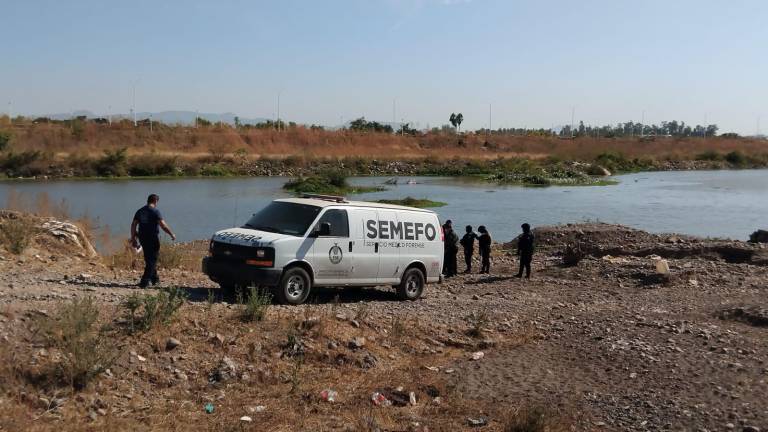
(468, 259)
(485, 258)
(525, 264)
(151, 247)
(450, 264)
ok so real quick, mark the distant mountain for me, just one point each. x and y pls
(169, 117)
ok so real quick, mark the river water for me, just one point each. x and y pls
(728, 204)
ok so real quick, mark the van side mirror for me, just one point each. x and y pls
(325, 229)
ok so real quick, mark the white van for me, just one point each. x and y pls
(317, 240)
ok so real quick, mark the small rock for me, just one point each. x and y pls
(475, 297)
(355, 324)
(172, 343)
(478, 355)
(412, 399)
(257, 409)
(357, 343)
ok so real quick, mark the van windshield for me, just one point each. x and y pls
(284, 218)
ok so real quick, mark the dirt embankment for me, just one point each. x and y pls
(595, 346)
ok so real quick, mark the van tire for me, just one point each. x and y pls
(412, 284)
(294, 286)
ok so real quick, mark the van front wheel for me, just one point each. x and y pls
(412, 284)
(294, 286)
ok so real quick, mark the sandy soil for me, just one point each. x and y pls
(603, 345)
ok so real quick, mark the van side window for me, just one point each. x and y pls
(338, 220)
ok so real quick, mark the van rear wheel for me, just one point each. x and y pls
(294, 286)
(412, 284)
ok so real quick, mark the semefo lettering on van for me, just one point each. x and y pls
(390, 230)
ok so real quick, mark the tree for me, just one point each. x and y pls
(237, 122)
(452, 119)
(459, 119)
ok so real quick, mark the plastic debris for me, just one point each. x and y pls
(329, 395)
(412, 398)
(432, 368)
(379, 399)
(662, 267)
(257, 409)
(209, 408)
(478, 355)
(477, 422)
(246, 419)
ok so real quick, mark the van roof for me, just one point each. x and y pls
(319, 202)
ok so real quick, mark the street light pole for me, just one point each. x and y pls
(278, 110)
(136, 81)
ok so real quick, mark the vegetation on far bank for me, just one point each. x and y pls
(328, 182)
(413, 202)
(83, 148)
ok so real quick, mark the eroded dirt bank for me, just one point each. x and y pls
(602, 345)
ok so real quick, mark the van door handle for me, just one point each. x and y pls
(376, 247)
(350, 246)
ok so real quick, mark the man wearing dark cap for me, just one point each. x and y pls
(525, 251)
(146, 227)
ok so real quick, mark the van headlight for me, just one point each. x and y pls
(261, 253)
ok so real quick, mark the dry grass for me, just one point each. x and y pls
(74, 331)
(16, 234)
(304, 143)
(536, 418)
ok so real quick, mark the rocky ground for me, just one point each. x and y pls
(606, 344)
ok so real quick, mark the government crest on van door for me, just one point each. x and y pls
(335, 254)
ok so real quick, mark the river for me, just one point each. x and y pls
(728, 204)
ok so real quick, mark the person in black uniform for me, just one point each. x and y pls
(525, 251)
(451, 249)
(484, 247)
(148, 220)
(468, 243)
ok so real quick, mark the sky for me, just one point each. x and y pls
(526, 63)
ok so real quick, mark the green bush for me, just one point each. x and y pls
(215, 170)
(736, 158)
(5, 139)
(152, 165)
(73, 330)
(112, 164)
(15, 163)
(256, 304)
(155, 309)
(709, 155)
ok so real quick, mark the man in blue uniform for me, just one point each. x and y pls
(146, 227)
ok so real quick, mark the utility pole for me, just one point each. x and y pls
(10, 112)
(133, 110)
(642, 125)
(573, 113)
(109, 114)
(394, 101)
(278, 110)
(490, 117)
(150, 123)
